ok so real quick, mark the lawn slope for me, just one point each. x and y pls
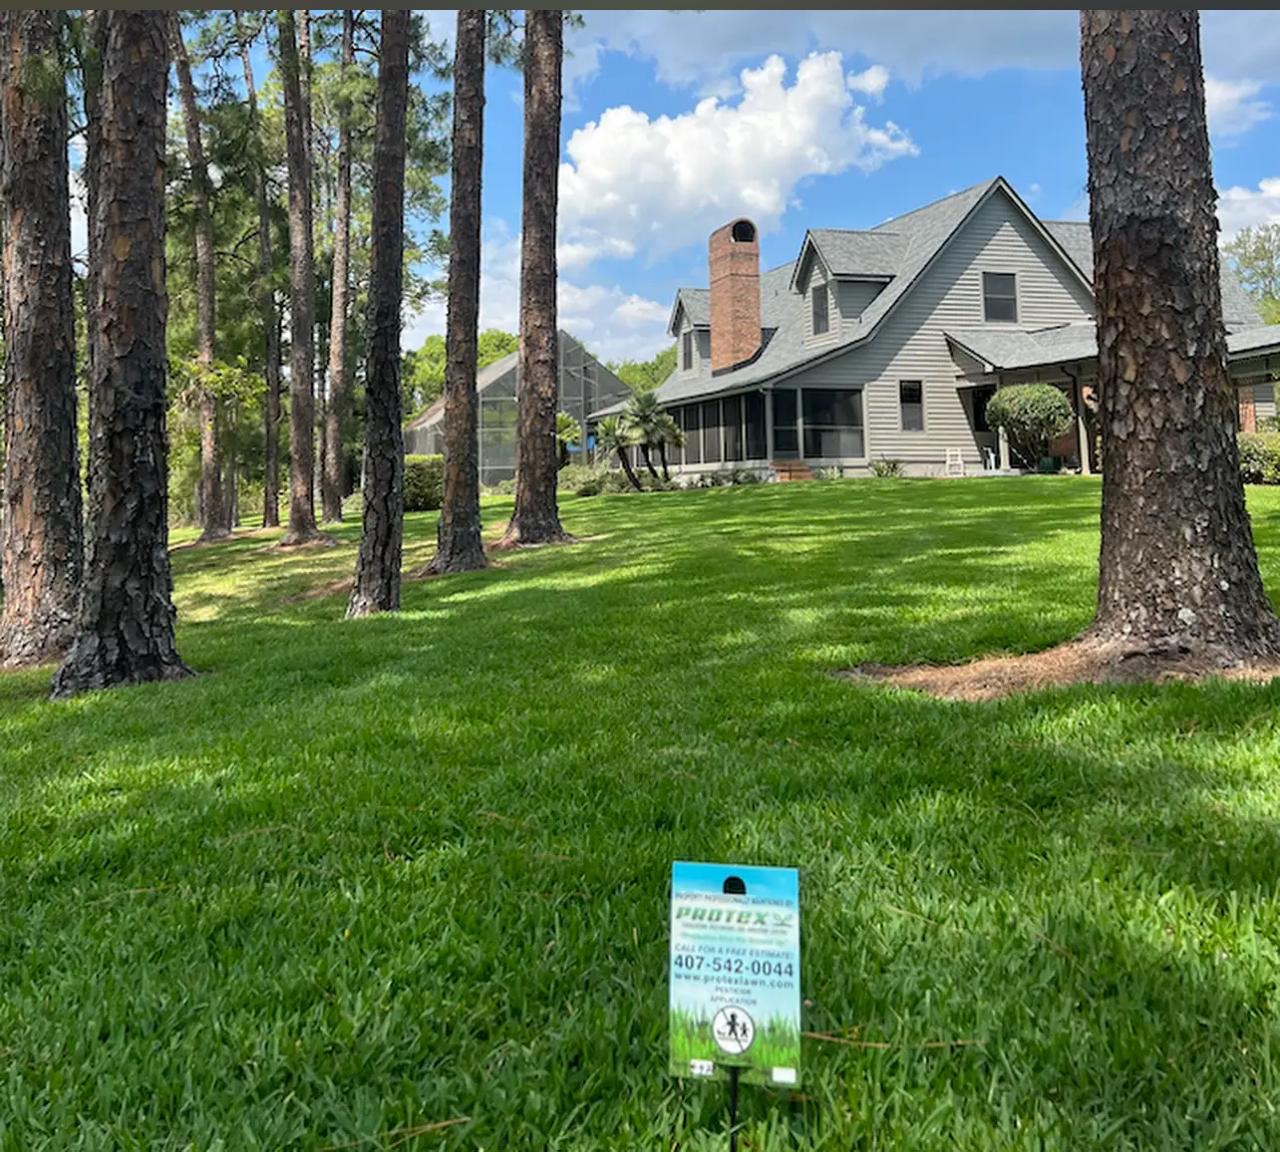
(361, 880)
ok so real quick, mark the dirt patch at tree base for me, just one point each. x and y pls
(1076, 662)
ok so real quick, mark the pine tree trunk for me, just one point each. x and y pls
(537, 518)
(125, 627)
(1178, 571)
(331, 486)
(266, 300)
(214, 523)
(41, 533)
(377, 582)
(302, 299)
(459, 547)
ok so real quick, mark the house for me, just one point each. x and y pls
(887, 343)
(585, 385)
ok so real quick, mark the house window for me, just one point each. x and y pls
(832, 424)
(733, 428)
(821, 310)
(911, 405)
(711, 432)
(1000, 296)
(686, 353)
(692, 436)
(786, 437)
(753, 403)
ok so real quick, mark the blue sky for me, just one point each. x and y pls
(677, 121)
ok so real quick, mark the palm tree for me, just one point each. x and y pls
(644, 415)
(671, 436)
(568, 431)
(614, 435)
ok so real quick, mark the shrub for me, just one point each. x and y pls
(583, 479)
(1260, 457)
(1031, 415)
(423, 483)
(886, 469)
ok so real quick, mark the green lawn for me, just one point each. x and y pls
(357, 879)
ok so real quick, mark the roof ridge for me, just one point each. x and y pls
(934, 203)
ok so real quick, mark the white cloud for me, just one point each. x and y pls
(871, 83)
(701, 49)
(1233, 108)
(614, 324)
(660, 184)
(1242, 207)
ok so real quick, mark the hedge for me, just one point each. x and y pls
(423, 483)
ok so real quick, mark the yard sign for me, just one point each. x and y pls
(735, 972)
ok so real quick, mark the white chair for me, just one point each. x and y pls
(955, 462)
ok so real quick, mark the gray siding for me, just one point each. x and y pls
(854, 296)
(910, 344)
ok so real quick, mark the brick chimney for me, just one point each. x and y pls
(734, 260)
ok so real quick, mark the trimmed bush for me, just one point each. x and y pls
(886, 469)
(1260, 457)
(423, 483)
(1031, 415)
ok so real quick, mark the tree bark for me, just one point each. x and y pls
(377, 582)
(309, 147)
(332, 481)
(41, 533)
(537, 518)
(626, 467)
(266, 299)
(302, 299)
(125, 627)
(647, 456)
(214, 523)
(459, 547)
(1178, 571)
(662, 455)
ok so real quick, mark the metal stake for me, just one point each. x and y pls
(733, 1109)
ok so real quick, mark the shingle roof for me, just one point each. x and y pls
(1238, 310)
(874, 254)
(922, 233)
(697, 306)
(1007, 350)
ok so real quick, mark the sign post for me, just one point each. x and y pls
(735, 975)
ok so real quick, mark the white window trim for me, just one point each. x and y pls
(982, 288)
(924, 420)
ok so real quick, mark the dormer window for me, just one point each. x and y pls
(821, 310)
(686, 351)
(1000, 297)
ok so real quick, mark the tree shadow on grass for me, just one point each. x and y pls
(366, 876)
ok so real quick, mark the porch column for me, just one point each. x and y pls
(1082, 431)
(1003, 439)
(799, 426)
(768, 424)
